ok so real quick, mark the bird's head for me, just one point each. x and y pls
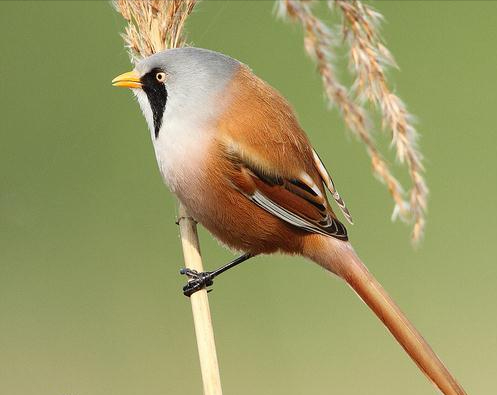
(179, 83)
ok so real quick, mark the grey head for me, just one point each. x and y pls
(182, 82)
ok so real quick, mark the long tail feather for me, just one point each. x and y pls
(343, 261)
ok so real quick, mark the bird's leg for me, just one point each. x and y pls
(197, 281)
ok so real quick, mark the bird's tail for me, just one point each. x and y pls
(340, 258)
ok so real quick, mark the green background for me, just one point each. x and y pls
(90, 300)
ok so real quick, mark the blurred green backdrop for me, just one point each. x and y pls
(90, 300)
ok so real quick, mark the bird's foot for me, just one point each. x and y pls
(196, 281)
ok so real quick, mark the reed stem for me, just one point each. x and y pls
(200, 307)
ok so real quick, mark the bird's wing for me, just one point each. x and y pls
(271, 160)
(297, 200)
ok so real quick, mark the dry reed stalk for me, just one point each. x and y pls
(319, 44)
(200, 307)
(155, 25)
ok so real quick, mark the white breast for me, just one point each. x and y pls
(181, 150)
(181, 146)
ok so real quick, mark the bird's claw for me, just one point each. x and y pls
(196, 281)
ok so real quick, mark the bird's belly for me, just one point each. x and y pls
(184, 164)
(239, 223)
(191, 168)
(234, 219)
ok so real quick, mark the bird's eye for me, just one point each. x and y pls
(161, 77)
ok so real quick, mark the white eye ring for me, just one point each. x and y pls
(161, 77)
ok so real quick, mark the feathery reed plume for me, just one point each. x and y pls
(153, 25)
(370, 60)
(319, 45)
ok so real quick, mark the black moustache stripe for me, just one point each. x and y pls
(157, 97)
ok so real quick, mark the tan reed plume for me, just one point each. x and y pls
(365, 50)
(370, 60)
(155, 25)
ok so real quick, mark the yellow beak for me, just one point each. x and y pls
(131, 79)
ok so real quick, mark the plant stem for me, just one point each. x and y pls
(200, 307)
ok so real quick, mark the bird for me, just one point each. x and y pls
(231, 148)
